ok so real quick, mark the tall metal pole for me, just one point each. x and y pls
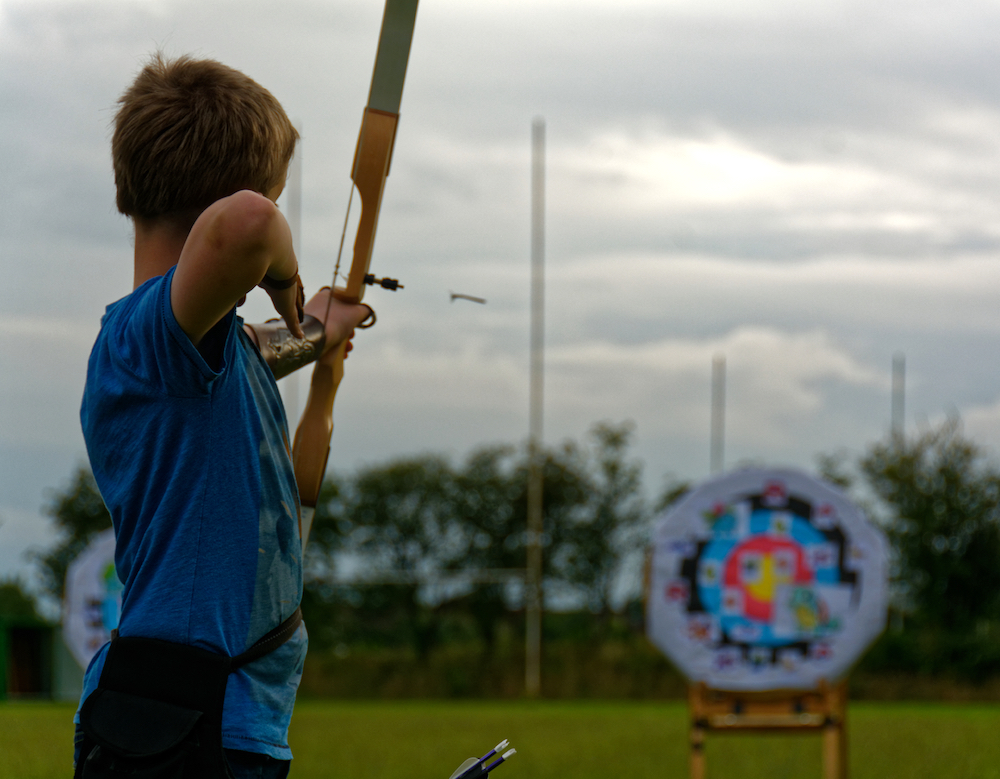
(718, 431)
(533, 579)
(898, 394)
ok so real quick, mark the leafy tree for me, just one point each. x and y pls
(491, 505)
(403, 515)
(942, 496)
(672, 492)
(490, 493)
(421, 520)
(395, 520)
(608, 523)
(16, 602)
(593, 515)
(79, 514)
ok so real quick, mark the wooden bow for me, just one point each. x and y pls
(311, 446)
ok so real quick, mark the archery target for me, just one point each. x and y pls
(93, 600)
(766, 579)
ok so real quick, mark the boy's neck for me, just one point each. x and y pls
(158, 244)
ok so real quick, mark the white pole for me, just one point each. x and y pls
(898, 394)
(533, 580)
(718, 425)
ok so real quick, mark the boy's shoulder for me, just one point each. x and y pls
(135, 304)
(139, 335)
(129, 324)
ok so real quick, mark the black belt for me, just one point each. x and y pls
(263, 646)
(270, 642)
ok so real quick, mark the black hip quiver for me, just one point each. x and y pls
(157, 710)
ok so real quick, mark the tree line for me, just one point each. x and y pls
(420, 552)
(937, 497)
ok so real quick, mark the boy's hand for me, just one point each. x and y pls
(288, 298)
(276, 338)
(339, 318)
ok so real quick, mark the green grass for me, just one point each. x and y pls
(36, 740)
(587, 740)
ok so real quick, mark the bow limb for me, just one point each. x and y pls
(372, 156)
(371, 168)
(311, 447)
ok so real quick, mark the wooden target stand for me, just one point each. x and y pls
(822, 711)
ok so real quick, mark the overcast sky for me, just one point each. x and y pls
(804, 188)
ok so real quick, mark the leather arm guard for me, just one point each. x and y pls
(284, 353)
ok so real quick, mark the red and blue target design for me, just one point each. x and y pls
(763, 582)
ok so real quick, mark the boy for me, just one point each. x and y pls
(188, 440)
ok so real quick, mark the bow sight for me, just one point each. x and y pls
(386, 283)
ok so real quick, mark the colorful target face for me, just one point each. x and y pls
(765, 580)
(93, 599)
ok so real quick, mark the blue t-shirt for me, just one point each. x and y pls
(194, 465)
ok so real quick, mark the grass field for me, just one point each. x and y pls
(586, 740)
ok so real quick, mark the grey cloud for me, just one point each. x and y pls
(878, 121)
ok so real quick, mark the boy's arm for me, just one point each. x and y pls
(233, 245)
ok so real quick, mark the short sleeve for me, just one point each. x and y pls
(144, 337)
